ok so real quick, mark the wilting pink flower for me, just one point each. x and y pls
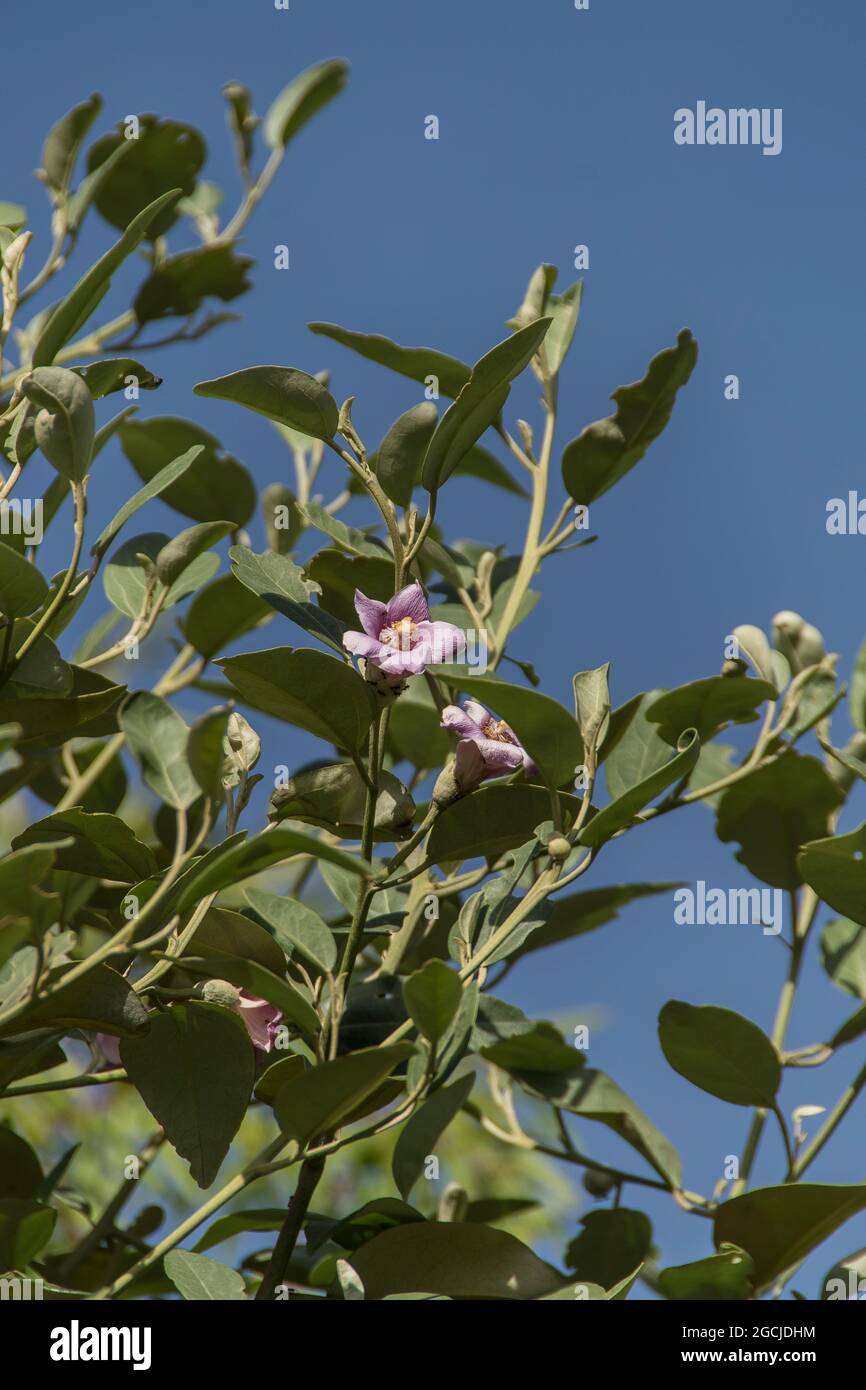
(260, 1019)
(399, 637)
(488, 746)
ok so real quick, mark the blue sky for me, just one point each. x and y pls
(556, 128)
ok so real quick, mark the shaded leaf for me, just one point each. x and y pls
(721, 1052)
(608, 449)
(194, 1072)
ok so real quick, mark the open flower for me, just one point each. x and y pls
(399, 638)
(260, 1019)
(488, 746)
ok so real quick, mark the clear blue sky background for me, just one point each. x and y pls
(557, 129)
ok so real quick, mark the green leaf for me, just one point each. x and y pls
(726, 1276)
(545, 728)
(229, 863)
(348, 537)
(721, 1052)
(857, 691)
(20, 1169)
(157, 737)
(414, 731)
(843, 954)
(753, 646)
(271, 1080)
(22, 588)
(194, 1072)
(198, 1278)
(91, 697)
(100, 1000)
(319, 1101)
(454, 1260)
(164, 155)
(238, 1222)
(102, 846)
(592, 706)
(539, 1048)
(596, 1096)
(491, 821)
(620, 812)
(399, 456)
(249, 975)
(221, 612)
(205, 754)
(65, 423)
(419, 1137)
(338, 576)
(12, 215)
(610, 1245)
(64, 141)
(480, 463)
(227, 933)
(20, 873)
(708, 705)
(297, 927)
(116, 374)
(73, 311)
(779, 1226)
(152, 489)
(432, 996)
(418, 363)
(836, 869)
(479, 403)
(633, 747)
(281, 583)
(284, 394)
(25, 1227)
(774, 811)
(179, 284)
(302, 99)
(565, 310)
(608, 449)
(306, 688)
(185, 547)
(216, 487)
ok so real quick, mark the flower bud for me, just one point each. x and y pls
(446, 790)
(453, 1203)
(597, 1184)
(799, 642)
(558, 848)
(221, 992)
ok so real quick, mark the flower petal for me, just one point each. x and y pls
(372, 613)
(359, 644)
(459, 722)
(399, 663)
(477, 712)
(409, 603)
(260, 1019)
(469, 766)
(444, 642)
(501, 757)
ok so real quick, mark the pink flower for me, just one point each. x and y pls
(109, 1046)
(260, 1019)
(488, 746)
(399, 638)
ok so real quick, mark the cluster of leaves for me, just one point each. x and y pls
(383, 1001)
